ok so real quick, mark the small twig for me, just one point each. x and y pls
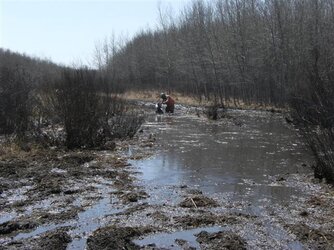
(193, 202)
(325, 238)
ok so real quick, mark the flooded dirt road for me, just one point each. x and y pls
(243, 159)
(243, 182)
(251, 163)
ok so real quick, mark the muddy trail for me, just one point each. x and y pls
(184, 182)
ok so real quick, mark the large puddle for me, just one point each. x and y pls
(242, 161)
(246, 158)
(167, 240)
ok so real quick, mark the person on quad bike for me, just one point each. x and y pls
(159, 110)
(169, 101)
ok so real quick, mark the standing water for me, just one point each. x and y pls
(246, 163)
(244, 157)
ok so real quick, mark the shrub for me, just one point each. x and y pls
(215, 112)
(312, 110)
(212, 112)
(125, 125)
(90, 113)
(78, 106)
(15, 106)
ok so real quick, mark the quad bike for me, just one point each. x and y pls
(158, 107)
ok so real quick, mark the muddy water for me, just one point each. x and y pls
(247, 159)
(242, 157)
(168, 239)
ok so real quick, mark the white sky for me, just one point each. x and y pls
(67, 31)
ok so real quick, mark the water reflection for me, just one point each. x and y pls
(223, 157)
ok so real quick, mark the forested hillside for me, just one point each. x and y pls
(254, 51)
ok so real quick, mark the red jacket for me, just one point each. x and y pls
(170, 101)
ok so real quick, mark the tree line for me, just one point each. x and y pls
(231, 50)
(268, 52)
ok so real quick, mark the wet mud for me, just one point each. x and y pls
(242, 182)
(220, 240)
(198, 201)
(57, 239)
(317, 238)
(113, 237)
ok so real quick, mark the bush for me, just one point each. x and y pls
(78, 107)
(91, 115)
(215, 112)
(15, 106)
(125, 125)
(212, 112)
(313, 112)
(320, 140)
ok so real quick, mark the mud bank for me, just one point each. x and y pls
(59, 196)
(150, 194)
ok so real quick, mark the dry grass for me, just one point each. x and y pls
(153, 96)
(20, 151)
(11, 149)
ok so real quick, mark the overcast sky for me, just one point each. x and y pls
(67, 31)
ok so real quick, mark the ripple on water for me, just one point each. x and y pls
(167, 240)
(217, 158)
